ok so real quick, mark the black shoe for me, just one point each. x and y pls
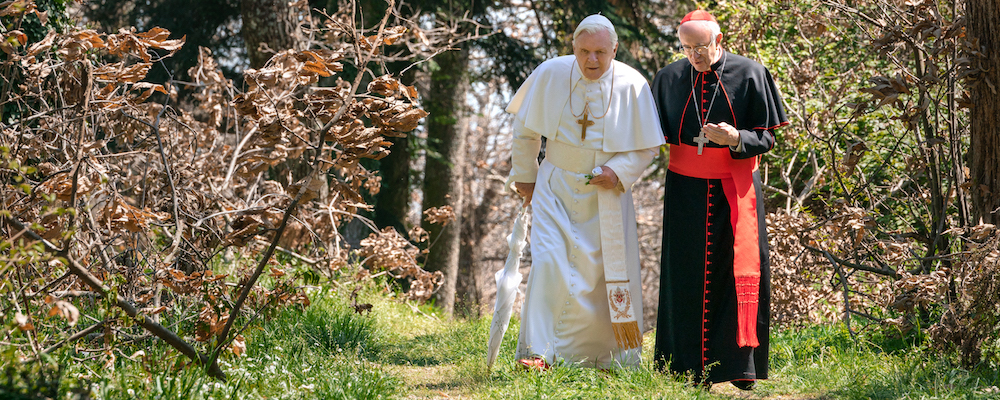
(743, 385)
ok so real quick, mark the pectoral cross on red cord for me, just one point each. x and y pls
(584, 123)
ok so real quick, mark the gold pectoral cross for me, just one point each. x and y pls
(584, 122)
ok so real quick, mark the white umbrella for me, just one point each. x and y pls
(508, 280)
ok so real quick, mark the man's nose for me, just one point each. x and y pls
(592, 57)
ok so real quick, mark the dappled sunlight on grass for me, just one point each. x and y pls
(822, 362)
(329, 351)
(827, 360)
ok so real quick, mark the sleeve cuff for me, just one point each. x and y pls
(739, 147)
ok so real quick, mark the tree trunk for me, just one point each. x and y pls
(472, 275)
(446, 150)
(985, 114)
(392, 203)
(393, 200)
(269, 26)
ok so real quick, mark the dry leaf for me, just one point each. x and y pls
(981, 231)
(16, 7)
(12, 40)
(61, 185)
(393, 34)
(406, 121)
(852, 156)
(238, 346)
(384, 85)
(66, 310)
(439, 215)
(148, 89)
(123, 216)
(153, 310)
(23, 323)
(77, 44)
(42, 45)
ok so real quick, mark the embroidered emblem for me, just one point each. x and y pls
(621, 303)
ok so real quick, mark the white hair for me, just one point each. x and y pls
(712, 25)
(594, 24)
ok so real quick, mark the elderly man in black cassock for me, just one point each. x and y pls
(718, 112)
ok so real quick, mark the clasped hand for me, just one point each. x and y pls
(722, 133)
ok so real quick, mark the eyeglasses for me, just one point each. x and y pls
(701, 50)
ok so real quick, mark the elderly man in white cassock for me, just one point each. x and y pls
(583, 304)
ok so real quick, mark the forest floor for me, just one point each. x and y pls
(440, 358)
(403, 351)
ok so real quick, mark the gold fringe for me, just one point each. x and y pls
(627, 334)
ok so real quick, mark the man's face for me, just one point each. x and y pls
(701, 49)
(594, 53)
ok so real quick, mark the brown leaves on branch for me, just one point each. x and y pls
(439, 215)
(122, 217)
(418, 234)
(20, 8)
(64, 309)
(920, 290)
(370, 43)
(189, 184)
(886, 91)
(396, 255)
(852, 156)
(61, 186)
(128, 42)
(12, 40)
(183, 283)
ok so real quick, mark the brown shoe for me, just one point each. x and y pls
(533, 364)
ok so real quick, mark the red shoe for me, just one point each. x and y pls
(533, 364)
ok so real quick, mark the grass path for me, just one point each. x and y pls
(328, 352)
(439, 359)
(445, 381)
(432, 382)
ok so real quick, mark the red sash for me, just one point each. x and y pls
(737, 182)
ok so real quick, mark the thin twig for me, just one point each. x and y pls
(212, 367)
(70, 339)
(847, 290)
(859, 267)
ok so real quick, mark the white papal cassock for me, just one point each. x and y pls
(565, 317)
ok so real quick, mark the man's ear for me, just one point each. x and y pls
(718, 39)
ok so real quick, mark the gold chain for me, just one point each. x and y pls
(586, 107)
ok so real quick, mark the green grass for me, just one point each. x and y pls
(396, 352)
(819, 362)
(826, 360)
(421, 341)
(322, 352)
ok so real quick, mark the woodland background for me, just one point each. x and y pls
(180, 170)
